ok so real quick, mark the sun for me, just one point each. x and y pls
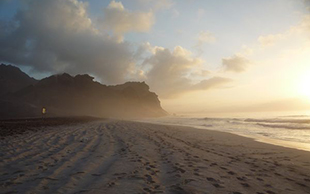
(304, 86)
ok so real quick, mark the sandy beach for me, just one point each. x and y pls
(113, 156)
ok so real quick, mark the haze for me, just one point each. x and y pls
(198, 56)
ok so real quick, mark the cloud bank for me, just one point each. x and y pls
(58, 36)
(171, 69)
(55, 36)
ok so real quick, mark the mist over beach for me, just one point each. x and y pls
(155, 96)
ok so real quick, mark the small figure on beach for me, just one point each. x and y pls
(43, 111)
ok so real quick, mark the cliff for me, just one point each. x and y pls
(80, 95)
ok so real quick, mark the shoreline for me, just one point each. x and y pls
(257, 138)
(113, 156)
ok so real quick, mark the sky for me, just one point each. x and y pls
(199, 56)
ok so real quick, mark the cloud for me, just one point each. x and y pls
(302, 28)
(307, 3)
(270, 40)
(200, 13)
(120, 20)
(169, 72)
(158, 4)
(246, 51)
(163, 4)
(200, 73)
(175, 13)
(57, 35)
(204, 37)
(235, 63)
(4, 1)
(287, 104)
(214, 82)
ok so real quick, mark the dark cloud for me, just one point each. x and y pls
(57, 35)
(4, 1)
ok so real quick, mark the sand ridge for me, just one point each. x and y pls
(130, 157)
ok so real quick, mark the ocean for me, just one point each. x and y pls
(289, 131)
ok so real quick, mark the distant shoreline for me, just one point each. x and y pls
(257, 138)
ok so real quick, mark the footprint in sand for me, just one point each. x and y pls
(213, 164)
(186, 181)
(177, 175)
(77, 173)
(268, 185)
(231, 173)
(147, 189)
(301, 184)
(176, 189)
(95, 174)
(211, 179)
(215, 182)
(245, 184)
(242, 178)
(111, 184)
(289, 179)
(149, 178)
(217, 185)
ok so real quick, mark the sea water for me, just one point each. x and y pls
(289, 131)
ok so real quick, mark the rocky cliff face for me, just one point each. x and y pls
(66, 95)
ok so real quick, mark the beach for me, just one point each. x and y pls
(114, 156)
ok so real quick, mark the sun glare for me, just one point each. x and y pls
(304, 86)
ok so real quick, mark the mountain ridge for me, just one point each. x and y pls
(80, 95)
(13, 79)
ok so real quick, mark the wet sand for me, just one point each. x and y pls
(129, 157)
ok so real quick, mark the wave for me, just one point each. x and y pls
(296, 116)
(284, 126)
(297, 121)
(210, 119)
(291, 129)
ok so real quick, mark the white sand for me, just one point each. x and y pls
(129, 157)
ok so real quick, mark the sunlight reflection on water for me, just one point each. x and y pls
(289, 131)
